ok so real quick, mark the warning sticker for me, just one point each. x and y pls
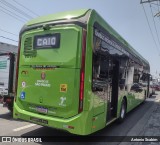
(23, 84)
(63, 87)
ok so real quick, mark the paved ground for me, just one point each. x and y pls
(149, 126)
(142, 121)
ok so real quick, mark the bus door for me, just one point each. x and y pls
(112, 97)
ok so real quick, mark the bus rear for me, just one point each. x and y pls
(50, 77)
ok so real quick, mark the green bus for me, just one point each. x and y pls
(76, 73)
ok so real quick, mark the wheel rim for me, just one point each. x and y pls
(123, 111)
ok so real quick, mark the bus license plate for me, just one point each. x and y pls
(42, 110)
(39, 120)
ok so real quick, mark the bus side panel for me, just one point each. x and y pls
(98, 122)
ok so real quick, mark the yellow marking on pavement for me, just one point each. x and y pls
(24, 127)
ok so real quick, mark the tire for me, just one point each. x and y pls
(10, 107)
(123, 111)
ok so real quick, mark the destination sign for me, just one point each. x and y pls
(47, 41)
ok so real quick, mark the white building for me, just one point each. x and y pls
(5, 48)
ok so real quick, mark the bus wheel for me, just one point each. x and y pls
(123, 111)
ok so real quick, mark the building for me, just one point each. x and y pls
(4, 48)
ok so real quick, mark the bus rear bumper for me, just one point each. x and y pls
(75, 125)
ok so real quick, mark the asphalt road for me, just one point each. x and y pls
(11, 127)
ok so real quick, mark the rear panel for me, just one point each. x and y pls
(6, 73)
(49, 71)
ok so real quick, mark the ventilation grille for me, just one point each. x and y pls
(28, 48)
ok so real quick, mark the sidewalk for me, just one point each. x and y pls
(149, 125)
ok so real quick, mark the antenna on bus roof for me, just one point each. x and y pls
(46, 27)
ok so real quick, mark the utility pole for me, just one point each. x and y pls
(150, 1)
(147, 1)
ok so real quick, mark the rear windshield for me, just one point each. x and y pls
(58, 46)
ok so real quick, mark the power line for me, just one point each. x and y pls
(12, 15)
(26, 8)
(155, 4)
(154, 25)
(150, 29)
(16, 9)
(158, 8)
(8, 32)
(8, 38)
(147, 1)
(158, 5)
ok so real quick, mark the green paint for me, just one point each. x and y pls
(57, 94)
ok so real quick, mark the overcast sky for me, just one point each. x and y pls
(126, 17)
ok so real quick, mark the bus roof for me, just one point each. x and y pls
(59, 16)
(70, 15)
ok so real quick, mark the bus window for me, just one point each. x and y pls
(122, 73)
(99, 72)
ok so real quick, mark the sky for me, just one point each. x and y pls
(126, 17)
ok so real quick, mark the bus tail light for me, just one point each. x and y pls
(17, 66)
(82, 72)
(68, 126)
